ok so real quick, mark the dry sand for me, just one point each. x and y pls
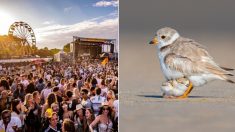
(142, 108)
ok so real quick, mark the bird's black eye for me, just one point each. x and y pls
(163, 36)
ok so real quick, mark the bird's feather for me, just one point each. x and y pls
(189, 57)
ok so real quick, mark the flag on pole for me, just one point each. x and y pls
(105, 61)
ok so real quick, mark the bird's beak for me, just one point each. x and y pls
(154, 41)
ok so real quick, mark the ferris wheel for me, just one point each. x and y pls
(24, 32)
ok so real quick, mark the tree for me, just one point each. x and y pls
(54, 51)
(67, 48)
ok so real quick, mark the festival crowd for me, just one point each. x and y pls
(59, 96)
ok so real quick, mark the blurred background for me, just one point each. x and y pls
(211, 107)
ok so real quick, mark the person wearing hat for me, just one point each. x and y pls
(103, 119)
(79, 118)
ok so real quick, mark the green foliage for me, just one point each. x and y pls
(54, 51)
(67, 48)
(45, 52)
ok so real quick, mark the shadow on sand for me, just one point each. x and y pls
(160, 96)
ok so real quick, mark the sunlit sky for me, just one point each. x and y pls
(56, 21)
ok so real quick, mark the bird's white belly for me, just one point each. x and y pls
(168, 73)
(201, 79)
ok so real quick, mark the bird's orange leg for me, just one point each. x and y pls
(186, 93)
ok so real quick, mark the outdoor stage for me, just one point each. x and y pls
(91, 47)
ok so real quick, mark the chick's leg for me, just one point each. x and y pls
(186, 93)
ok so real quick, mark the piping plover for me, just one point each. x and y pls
(185, 58)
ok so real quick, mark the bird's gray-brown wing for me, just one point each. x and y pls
(189, 58)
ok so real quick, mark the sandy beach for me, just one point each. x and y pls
(142, 108)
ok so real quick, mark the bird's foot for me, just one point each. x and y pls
(187, 92)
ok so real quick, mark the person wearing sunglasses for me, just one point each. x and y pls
(9, 123)
(103, 119)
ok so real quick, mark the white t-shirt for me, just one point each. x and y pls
(33, 67)
(86, 103)
(98, 81)
(104, 91)
(96, 103)
(25, 82)
(48, 77)
(14, 121)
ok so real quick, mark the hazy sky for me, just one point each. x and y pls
(56, 21)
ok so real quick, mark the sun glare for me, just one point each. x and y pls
(5, 22)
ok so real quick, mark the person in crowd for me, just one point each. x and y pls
(92, 92)
(67, 114)
(40, 85)
(31, 113)
(61, 85)
(74, 85)
(110, 98)
(104, 89)
(10, 123)
(54, 125)
(19, 92)
(14, 84)
(79, 118)
(4, 85)
(55, 108)
(24, 80)
(115, 108)
(98, 79)
(90, 117)
(68, 126)
(37, 110)
(30, 88)
(71, 101)
(103, 120)
(97, 100)
(80, 83)
(5, 101)
(68, 87)
(50, 99)
(18, 110)
(57, 92)
(93, 81)
(45, 92)
(76, 95)
(86, 102)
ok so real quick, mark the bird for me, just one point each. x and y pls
(182, 57)
(179, 88)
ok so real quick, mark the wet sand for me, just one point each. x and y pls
(142, 108)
